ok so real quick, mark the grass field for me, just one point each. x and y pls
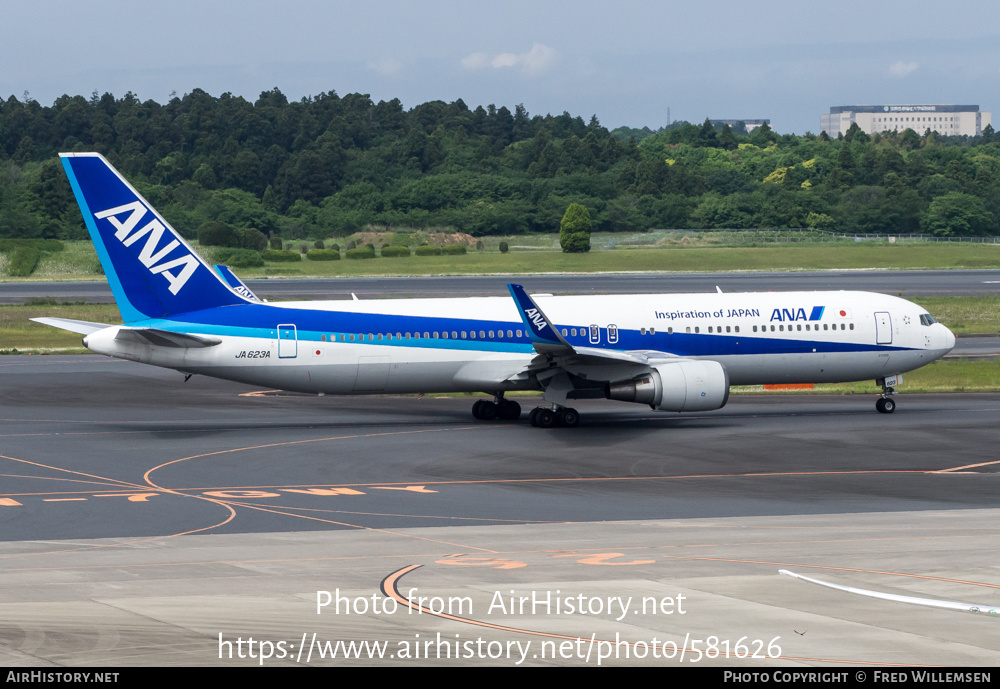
(79, 260)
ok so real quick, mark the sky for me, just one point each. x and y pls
(629, 63)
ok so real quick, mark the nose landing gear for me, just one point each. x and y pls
(885, 404)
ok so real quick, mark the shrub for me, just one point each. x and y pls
(53, 245)
(575, 228)
(479, 245)
(351, 245)
(323, 255)
(428, 250)
(363, 252)
(303, 248)
(395, 251)
(318, 244)
(276, 243)
(244, 258)
(335, 247)
(23, 260)
(454, 249)
(504, 248)
(273, 256)
(215, 233)
(254, 239)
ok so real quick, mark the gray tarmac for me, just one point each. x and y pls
(906, 283)
(148, 521)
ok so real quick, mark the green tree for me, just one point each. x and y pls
(957, 214)
(574, 230)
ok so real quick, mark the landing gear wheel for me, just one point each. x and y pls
(533, 416)
(885, 405)
(488, 411)
(509, 410)
(544, 418)
(570, 418)
(484, 411)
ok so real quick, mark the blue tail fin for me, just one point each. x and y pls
(235, 283)
(152, 271)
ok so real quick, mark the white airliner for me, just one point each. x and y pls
(674, 352)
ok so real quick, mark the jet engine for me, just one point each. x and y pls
(685, 385)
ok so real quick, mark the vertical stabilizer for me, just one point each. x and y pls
(152, 271)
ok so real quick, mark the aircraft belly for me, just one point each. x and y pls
(820, 367)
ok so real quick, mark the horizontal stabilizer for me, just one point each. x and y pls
(165, 338)
(82, 327)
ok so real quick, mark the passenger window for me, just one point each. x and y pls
(755, 328)
(454, 335)
(510, 333)
(709, 329)
(427, 336)
(463, 335)
(595, 334)
(482, 335)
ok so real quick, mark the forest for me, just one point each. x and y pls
(328, 165)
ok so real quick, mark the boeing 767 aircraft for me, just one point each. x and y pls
(674, 352)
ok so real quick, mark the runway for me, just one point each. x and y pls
(148, 521)
(909, 284)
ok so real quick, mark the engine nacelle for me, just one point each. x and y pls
(686, 385)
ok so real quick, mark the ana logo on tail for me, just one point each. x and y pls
(183, 267)
(535, 317)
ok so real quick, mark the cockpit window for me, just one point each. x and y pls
(927, 319)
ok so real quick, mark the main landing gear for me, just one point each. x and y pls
(545, 417)
(505, 410)
(885, 403)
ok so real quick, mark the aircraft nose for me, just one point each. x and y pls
(948, 339)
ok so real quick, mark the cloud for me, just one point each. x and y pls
(385, 65)
(476, 61)
(536, 60)
(901, 69)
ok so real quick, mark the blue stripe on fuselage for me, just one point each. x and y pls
(261, 321)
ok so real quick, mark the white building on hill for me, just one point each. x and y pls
(950, 120)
